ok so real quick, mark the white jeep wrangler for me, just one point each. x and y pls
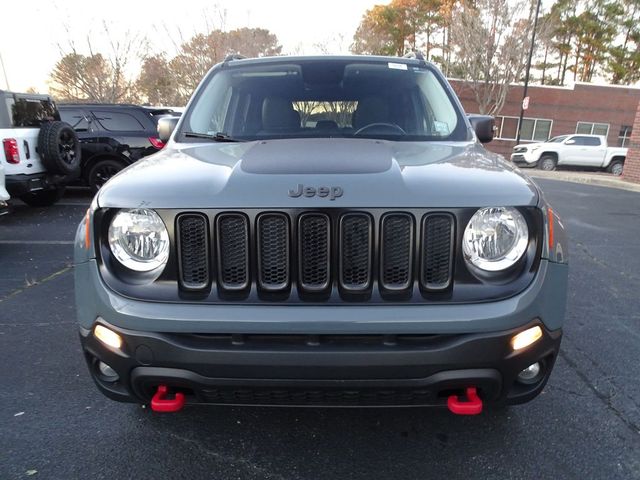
(41, 153)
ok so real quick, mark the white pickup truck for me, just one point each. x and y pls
(571, 150)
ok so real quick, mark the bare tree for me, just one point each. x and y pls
(96, 77)
(491, 39)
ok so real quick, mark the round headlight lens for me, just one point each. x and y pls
(495, 238)
(139, 239)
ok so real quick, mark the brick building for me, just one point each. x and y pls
(632, 164)
(582, 108)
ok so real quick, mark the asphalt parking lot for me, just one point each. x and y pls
(55, 425)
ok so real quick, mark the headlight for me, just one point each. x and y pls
(495, 238)
(139, 240)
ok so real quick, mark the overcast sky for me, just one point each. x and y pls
(33, 30)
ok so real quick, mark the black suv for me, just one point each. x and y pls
(112, 137)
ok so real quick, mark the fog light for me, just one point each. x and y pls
(526, 338)
(530, 374)
(108, 337)
(109, 373)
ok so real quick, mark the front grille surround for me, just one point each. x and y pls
(437, 251)
(397, 252)
(232, 248)
(355, 259)
(314, 252)
(192, 241)
(273, 249)
(464, 287)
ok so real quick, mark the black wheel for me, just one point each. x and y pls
(547, 163)
(616, 167)
(43, 198)
(102, 171)
(59, 148)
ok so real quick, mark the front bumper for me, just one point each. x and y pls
(524, 159)
(321, 355)
(22, 184)
(320, 370)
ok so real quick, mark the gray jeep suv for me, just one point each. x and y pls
(323, 231)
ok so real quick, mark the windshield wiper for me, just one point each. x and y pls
(217, 137)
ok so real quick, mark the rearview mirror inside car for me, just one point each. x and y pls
(166, 126)
(484, 126)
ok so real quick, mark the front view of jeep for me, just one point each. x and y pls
(321, 231)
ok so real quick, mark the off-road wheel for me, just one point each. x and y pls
(101, 172)
(59, 148)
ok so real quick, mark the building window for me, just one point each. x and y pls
(588, 128)
(533, 129)
(625, 136)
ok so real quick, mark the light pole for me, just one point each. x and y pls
(526, 77)
(6, 79)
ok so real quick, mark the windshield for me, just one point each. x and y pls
(324, 98)
(558, 139)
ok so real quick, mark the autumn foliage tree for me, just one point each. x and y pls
(397, 27)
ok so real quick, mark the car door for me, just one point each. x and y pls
(582, 150)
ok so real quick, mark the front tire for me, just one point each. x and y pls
(101, 172)
(43, 198)
(616, 167)
(547, 163)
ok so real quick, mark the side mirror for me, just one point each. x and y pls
(571, 141)
(166, 126)
(484, 126)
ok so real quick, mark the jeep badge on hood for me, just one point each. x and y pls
(301, 190)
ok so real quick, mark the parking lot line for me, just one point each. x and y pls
(36, 242)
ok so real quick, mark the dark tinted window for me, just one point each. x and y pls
(31, 112)
(76, 118)
(117, 121)
(587, 141)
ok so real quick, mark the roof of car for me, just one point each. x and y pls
(320, 58)
(153, 110)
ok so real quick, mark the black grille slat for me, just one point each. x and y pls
(355, 251)
(437, 252)
(273, 251)
(233, 251)
(314, 248)
(193, 246)
(396, 251)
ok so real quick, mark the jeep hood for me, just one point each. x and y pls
(370, 173)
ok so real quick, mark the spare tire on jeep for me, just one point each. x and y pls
(59, 148)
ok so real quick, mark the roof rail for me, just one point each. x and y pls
(233, 56)
(415, 54)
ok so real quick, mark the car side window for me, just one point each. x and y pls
(29, 112)
(117, 121)
(587, 141)
(76, 118)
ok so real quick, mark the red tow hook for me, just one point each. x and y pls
(473, 405)
(159, 402)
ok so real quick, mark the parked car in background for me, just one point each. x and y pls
(589, 151)
(4, 195)
(41, 153)
(112, 137)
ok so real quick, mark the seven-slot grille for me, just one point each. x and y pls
(316, 252)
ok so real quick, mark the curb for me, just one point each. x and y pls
(586, 179)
